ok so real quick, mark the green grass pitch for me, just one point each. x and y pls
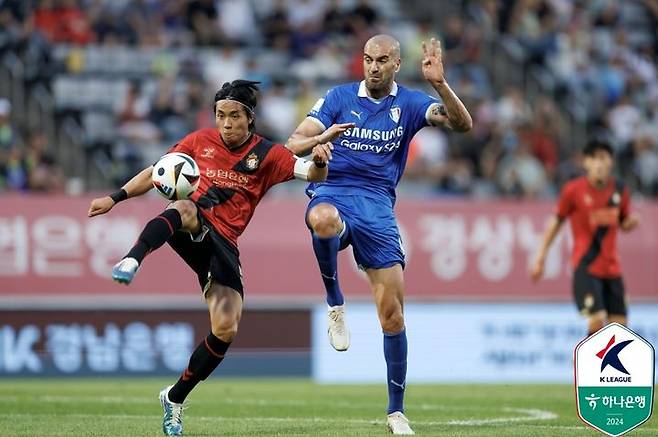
(286, 407)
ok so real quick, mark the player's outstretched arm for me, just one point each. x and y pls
(551, 231)
(310, 134)
(630, 222)
(454, 114)
(138, 185)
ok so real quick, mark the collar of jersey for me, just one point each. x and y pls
(363, 93)
(253, 139)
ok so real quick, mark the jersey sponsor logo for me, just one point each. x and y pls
(391, 139)
(252, 161)
(208, 152)
(227, 178)
(604, 216)
(374, 134)
(395, 113)
(367, 147)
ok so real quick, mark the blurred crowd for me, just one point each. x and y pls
(25, 160)
(171, 55)
(600, 55)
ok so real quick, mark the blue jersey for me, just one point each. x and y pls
(369, 158)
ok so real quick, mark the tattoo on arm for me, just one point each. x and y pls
(458, 116)
(439, 110)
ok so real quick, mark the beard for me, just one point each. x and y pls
(377, 86)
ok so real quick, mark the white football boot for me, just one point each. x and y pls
(398, 424)
(124, 271)
(172, 421)
(339, 335)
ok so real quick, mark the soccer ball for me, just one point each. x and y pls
(175, 176)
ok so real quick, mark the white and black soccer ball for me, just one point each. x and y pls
(176, 176)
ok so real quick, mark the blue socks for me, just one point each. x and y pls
(326, 252)
(395, 353)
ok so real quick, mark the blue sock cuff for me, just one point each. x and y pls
(317, 237)
(389, 335)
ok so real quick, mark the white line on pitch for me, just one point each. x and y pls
(234, 401)
(527, 414)
(531, 415)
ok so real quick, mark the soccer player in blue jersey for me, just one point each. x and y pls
(355, 204)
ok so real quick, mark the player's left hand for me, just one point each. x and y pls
(321, 153)
(537, 270)
(432, 64)
(630, 223)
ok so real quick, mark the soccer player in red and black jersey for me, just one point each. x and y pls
(597, 204)
(237, 168)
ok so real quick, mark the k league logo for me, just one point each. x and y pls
(610, 357)
(614, 374)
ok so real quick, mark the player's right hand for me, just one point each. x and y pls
(100, 206)
(537, 270)
(334, 131)
(432, 65)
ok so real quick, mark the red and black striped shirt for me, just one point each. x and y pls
(234, 181)
(595, 215)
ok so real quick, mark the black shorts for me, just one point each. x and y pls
(593, 294)
(211, 256)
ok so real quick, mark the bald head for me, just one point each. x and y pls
(381, 60)
(383, 43)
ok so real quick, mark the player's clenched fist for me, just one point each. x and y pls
(100, 205)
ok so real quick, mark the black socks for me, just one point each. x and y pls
(207, 356)
(155, 234)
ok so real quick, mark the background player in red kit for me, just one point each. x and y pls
(237, 168)
(597, 205)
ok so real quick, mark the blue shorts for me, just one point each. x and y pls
(370, 227)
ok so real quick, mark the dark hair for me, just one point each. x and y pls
(243, 91)
(594, 146)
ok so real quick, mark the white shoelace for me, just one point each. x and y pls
(337, 317)
(176, 413)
